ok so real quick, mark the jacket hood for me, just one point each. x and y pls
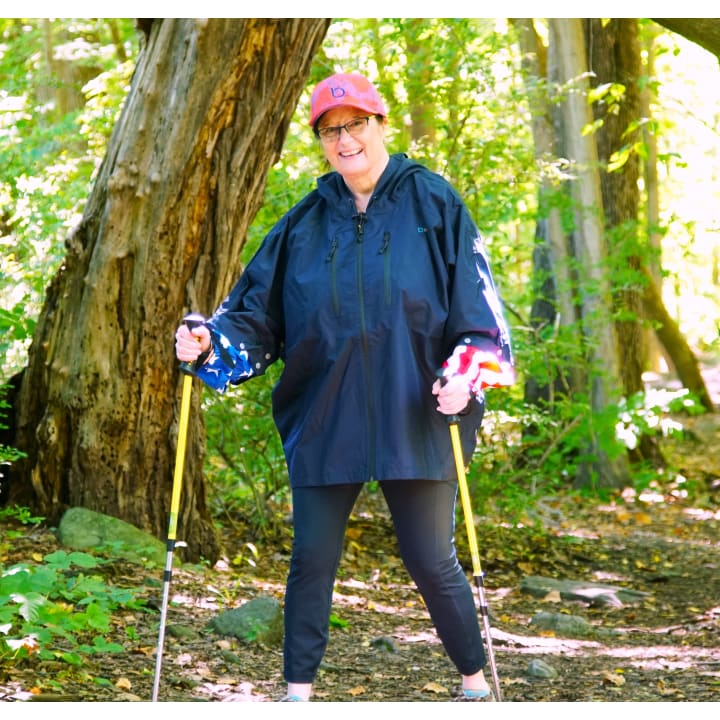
(333, 190)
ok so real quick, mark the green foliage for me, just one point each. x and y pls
(19, 514)
(531, 452)
(528, 453)
(56, 611)
(245, 466)
(337, 622)
(248, 555)
(7, 454)
(53, 135)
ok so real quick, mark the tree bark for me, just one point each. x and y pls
(604, 388)
(208, 109)
(68, 75)
(554, 300)
(422, 113)
(614, 57)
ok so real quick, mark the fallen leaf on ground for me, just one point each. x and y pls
(612, 678)
(435, 688)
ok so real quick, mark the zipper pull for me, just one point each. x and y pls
(333, 250)
(361, 226)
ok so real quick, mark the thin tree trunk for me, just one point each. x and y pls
(422, 114)
(681, 355)
(652, 191)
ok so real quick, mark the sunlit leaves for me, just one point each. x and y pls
(51, 143)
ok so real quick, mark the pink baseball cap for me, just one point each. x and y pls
(342, 89)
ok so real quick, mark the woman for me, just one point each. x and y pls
(368, 288)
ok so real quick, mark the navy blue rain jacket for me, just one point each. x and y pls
(363, 308)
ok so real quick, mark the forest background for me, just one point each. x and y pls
(464, 97)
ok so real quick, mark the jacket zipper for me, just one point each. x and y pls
(362, 217)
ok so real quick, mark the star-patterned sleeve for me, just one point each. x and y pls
(226, 365)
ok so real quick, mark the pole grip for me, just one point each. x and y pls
(191, 321)
(450, 418)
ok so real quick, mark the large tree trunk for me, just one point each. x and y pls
(614, 58)
(604, 388)
(97, 412)
(554, 299)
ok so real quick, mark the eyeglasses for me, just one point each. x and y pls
(354, 128)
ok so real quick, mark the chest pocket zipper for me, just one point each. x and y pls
(385, 251)
(333, 276)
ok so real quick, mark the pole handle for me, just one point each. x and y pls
(451, 419)
(191, 321)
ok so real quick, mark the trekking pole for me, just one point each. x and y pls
(472, 542)
(191, 321)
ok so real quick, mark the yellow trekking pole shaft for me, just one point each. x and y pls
(172, 525)
(472, 543)
(191, 321)
(465, 498)
(180, 457)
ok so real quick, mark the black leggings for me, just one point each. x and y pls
(423, 512)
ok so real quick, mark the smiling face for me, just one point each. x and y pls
(360, 159)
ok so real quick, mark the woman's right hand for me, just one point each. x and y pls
(190, 344)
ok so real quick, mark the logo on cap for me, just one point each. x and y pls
(349, 89)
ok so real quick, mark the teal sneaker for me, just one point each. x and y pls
(466, 695)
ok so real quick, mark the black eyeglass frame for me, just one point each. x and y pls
(339, 128)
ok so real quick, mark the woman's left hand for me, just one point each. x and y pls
(453, 396)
